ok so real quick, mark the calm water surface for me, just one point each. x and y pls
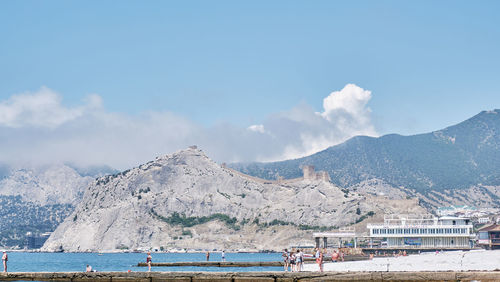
(68, 262)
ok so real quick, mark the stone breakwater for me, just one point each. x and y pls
(250, 276)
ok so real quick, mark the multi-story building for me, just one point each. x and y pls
(424, 232)
(489, 236)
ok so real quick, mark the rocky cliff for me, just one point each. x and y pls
(185, 200)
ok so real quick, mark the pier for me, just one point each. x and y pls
(215, 263)
(241, 263)
(249, 276)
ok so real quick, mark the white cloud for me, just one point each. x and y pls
(345, 114)
(41, 109)
(38, 128)
(257, 128)
(351, 99)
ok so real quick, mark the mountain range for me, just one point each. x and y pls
(186, 200)
(458, 157)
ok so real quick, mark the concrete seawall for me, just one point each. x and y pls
(215, 263)
(249, 276)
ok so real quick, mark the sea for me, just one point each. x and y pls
(75, 262)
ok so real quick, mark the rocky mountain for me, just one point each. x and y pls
(55, 184)
(185, 200)
(432, 165)
(36, 199)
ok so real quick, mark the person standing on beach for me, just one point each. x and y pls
(335, 256)
(292, 261)
(286, 259)
(5, 258)
(208, 255)
(149, 258)
(301, 255)
(319, 260)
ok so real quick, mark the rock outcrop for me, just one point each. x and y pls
(185, 200)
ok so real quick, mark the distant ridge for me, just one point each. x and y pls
(457, 157)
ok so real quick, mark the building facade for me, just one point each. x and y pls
(488, 237)
(424, 232)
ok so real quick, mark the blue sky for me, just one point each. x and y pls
(236, 64)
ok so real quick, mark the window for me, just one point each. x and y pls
(483, 235)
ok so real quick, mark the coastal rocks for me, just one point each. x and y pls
(185, 200)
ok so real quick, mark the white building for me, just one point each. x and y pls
(483, 220)
(423, 232)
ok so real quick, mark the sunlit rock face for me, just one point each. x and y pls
(185, 200)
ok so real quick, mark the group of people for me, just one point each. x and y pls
(223, 255)
(337, 256)
(293, 260)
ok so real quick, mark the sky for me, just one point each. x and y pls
(121, 82)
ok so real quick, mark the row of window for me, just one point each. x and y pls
(384, 231)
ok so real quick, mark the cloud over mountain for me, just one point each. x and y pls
(37, 127)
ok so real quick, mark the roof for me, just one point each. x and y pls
(492, 227)
(452, 218)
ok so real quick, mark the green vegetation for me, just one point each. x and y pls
(187, 233)
(370, 213)
(227, 196)
(316, 227)
(122, 247)
(185, 221)
(231, 222)
(144, 190)
(300, 226)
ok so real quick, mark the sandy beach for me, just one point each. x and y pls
(479, 260)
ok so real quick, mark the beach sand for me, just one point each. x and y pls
(444, 261)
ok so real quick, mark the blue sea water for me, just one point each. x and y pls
(70, 262)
